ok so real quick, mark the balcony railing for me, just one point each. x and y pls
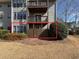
(36, 4)
(40, 19)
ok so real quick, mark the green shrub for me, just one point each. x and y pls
(3, 32)
(14, 36)
(62, 30)
(5, 35)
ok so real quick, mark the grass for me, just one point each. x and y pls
(56, 50)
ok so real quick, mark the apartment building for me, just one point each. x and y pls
(27, 16)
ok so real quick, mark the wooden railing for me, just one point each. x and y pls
(37, 4)
(42, 19)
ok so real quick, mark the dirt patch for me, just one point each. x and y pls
(14, 50)
(74, 40)
(30, 49)
(36, 41)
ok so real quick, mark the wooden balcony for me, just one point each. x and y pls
(33, 4)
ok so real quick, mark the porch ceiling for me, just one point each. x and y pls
(37, 10)
(52, 0)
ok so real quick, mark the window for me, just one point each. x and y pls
(25, 29)
(14, 15)
(14, 29)
(19, 3)
(24, 4)
(20, 29)
(9, 17)
(9, 5)
(24, 15)
(19, 15)
(15, 1)
(14, 5)
(31, 26)
(0, 5)
(1, 16)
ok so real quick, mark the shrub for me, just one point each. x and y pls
(3, 32)
(5, 35)
(62, 30)
(71, 32)
(14, 36)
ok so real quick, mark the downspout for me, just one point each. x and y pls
(55, 18)
(55, 10)
(11, 16)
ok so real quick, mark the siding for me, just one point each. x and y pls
(51, 12)
(6, 13)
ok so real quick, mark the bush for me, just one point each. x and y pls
(3, 32)
(77, 32)
(62, 30)
(71, 32)
(5, 35)
(14, 36)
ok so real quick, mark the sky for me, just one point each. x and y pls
(72, 8)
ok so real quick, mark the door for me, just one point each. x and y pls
(37, 30)
(34, 30)
(37, 18)
(37, 27)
